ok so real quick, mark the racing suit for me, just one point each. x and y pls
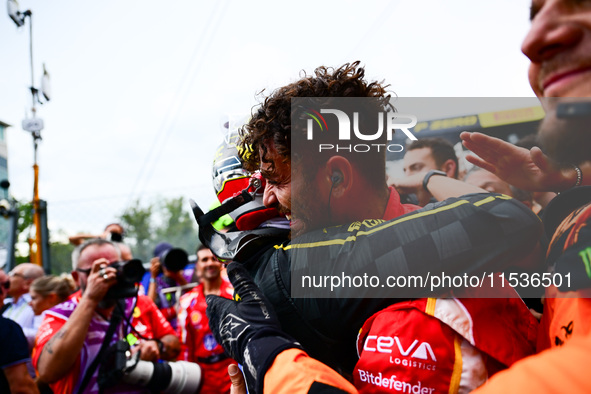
(565, 329)
(444, 344)
(458, 235)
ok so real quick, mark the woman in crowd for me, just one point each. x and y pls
(49, 291)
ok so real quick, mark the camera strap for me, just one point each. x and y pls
(116, 319)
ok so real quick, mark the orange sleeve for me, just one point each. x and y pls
(558, 370)
(293, 371)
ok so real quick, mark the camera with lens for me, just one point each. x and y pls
(174, 259)
(128, 274)
(114, 236)
(119, 367)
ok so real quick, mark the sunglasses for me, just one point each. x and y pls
(87, 270)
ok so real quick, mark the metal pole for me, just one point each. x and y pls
(37, 253)
(44, 237)
(33, 90)
(12, 234)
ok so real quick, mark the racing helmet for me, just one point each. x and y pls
(230, 179)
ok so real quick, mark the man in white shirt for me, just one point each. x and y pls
(18, 308)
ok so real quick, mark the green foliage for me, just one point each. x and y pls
(60, 255)
(145, 225)
(24, 223)
(166, 220)
(137, 221)
(25, 215)
(177, 225)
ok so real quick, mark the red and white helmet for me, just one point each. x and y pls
(230, 179)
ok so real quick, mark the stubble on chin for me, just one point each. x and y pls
(563, 140)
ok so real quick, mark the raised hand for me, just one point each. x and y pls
(526, 169)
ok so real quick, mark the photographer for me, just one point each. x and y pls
(113, 232)
(168, 268)
(72, 333)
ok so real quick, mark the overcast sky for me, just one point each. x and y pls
(140, 88)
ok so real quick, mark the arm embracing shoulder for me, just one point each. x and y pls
(469, 234)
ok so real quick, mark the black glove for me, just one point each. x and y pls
(248, 329)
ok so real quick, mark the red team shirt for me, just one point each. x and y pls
(199, 344)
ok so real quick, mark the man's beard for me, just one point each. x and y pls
(564, 140)
(104, 303)
(308, 211)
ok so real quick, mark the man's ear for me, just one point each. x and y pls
(339, 174)
(76, 278)
(449, 167)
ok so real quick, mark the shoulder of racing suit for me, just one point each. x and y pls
(459, 235)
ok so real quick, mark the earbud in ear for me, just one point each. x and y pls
(336, 178)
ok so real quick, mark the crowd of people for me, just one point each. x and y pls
(59, 332)
(245, 328)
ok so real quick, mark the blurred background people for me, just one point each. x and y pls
(490, 182)
(168, 268)
(48, 291)
(4, 285)
(431, 154)
(14, 374)
(72, 332)
(17, 307)
(199, 344)
(113, 232)
(428, 154)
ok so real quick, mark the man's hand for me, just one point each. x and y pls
(171, 347)
(412, 184)
(237, 379)
(100, 279)
(526, 169)
(148, 351)
(248, 329)
(154, 267)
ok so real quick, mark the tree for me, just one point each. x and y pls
(137, 222)
(60, 255)
(166, 220)
(24, 222)
(177, 227)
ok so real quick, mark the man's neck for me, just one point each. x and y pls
(16, 298)
(212, 286)
(372, 204)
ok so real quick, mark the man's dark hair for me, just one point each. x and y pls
(441, 150)
(115, 224)
(271, 122)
